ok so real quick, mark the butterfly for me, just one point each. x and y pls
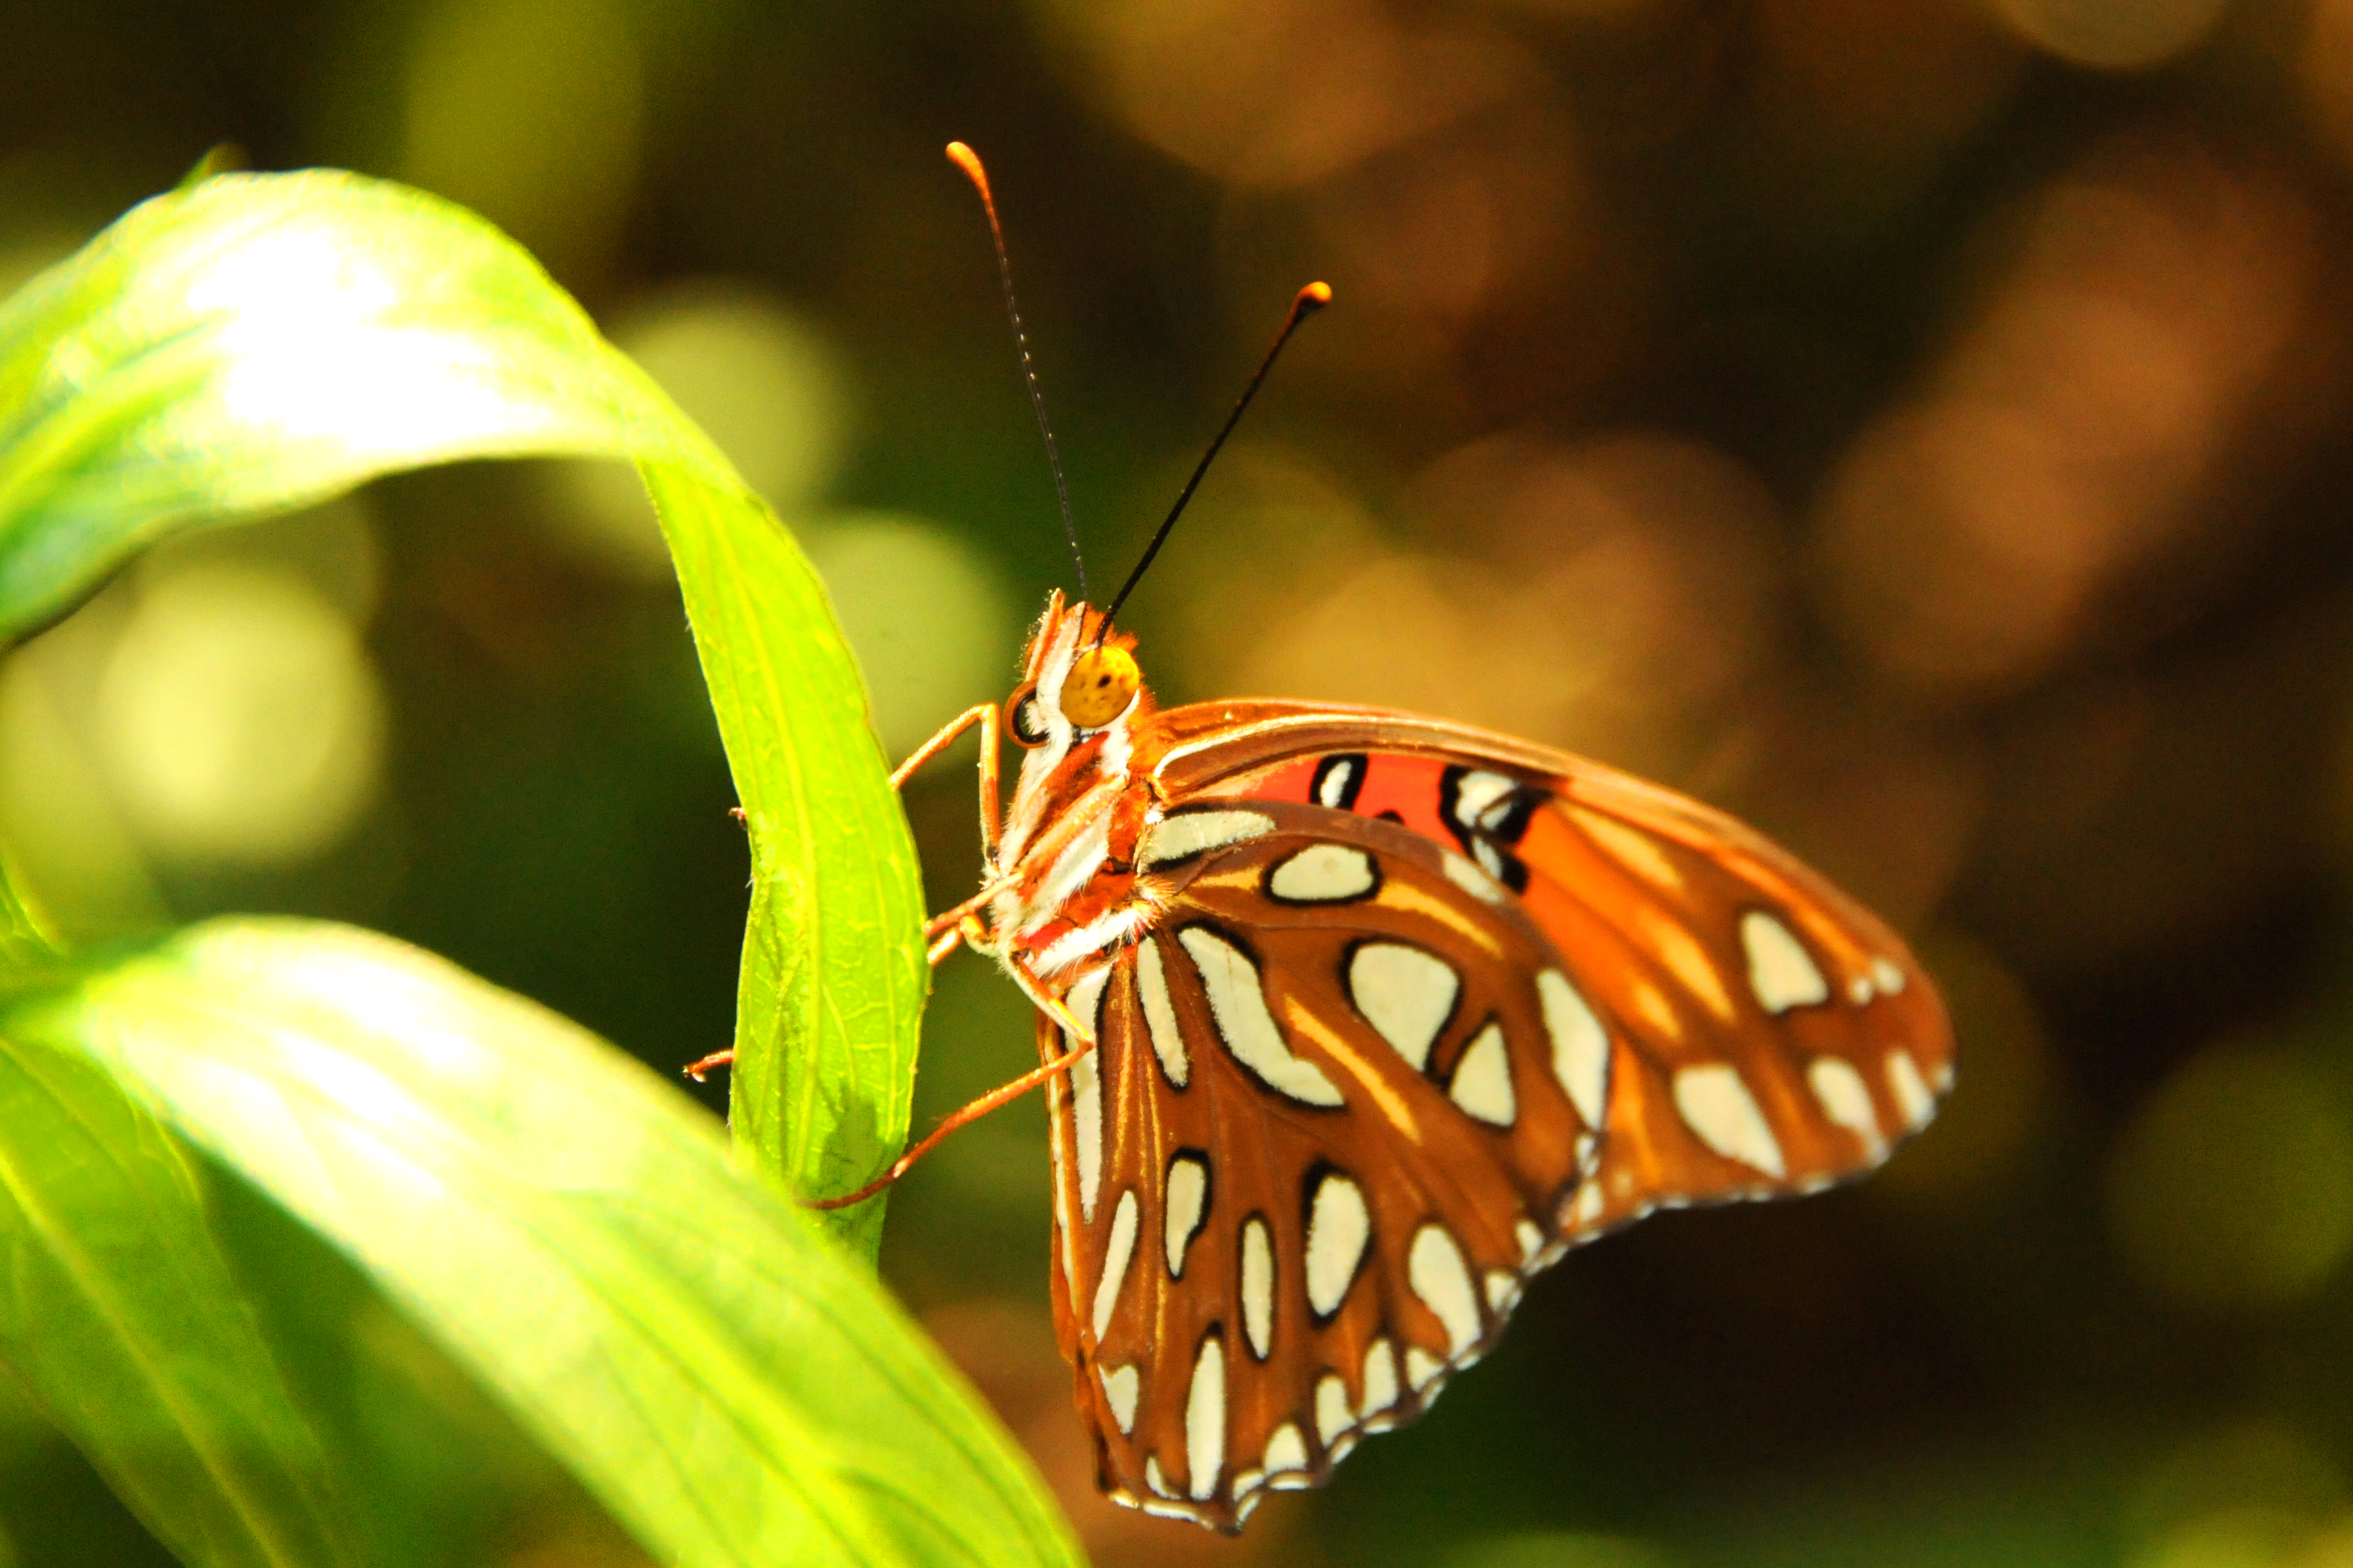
(1351, 1022)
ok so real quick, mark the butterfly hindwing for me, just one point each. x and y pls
(1341, 1095)
(1391, 1013)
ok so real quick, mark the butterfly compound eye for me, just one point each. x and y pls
(1099, 686)
(1022, 718)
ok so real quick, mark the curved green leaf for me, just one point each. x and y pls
(259, 342)
(737, 1389)
(123, 1319)
(26, 939)
(253, 343)
(855, 990)
(249, 343)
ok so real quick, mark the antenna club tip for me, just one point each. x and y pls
(964, 158)
(1315, 296)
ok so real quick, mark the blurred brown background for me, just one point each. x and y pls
(1921, 426)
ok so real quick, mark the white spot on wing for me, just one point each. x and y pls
(1380, 1377)
(1205, 1420)
(1530, 1238)
(1086, 1109)
(1121, 1384)
(1160, 1016)
(1237, 1004)
(1483, 1079)
(1322, 874)
(1404, 992)
(1473, 881)
(1332, 1415)
(1257, 1287)
(1484, 799)
(1187, 1188)
(1717, 1105)
(1338, 1228)
(1780, 971)
(1442, 1280)
(1155, 1480)
(1336, 780)
(1194, 832)
(1503, 1288)
(1580, 1049)
(1286, 1451)
(1845, 1098)
(1422, 1369)
(1887, 976)
(1084, 1000)
(1116, 1257)
(1912, 1095)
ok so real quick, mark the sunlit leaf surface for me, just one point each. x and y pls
(258, 341)
(251, 343)
(123, 1320)
(735, 1387)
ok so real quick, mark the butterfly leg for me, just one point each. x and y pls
(966, 931)
(952, 919)
(973, 1112)
(1053, 1006)
(985, 715)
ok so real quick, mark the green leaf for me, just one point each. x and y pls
(26, 939)
(256, 342)
(249, 343)
(862, 998)
(736, 1388)
(122, 1317)
(253, 343)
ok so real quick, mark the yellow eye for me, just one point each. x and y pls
(1097, 689)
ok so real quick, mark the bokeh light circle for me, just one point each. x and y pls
(760, 381)
(2232, 1184)
(238, 719)
(531, 112)
(2112, 35)
(934, 630)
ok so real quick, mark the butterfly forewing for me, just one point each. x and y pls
(1774, 1038)
(1766, 1034)
(1337, 1102)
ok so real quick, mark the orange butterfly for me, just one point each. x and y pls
(1352, 1021)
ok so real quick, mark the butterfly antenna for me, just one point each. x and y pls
(1312, 299)
(969, 162)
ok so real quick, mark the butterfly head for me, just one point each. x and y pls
(1077, 683)
(1080, 696)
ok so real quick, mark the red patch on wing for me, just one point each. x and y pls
(1407, 786)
